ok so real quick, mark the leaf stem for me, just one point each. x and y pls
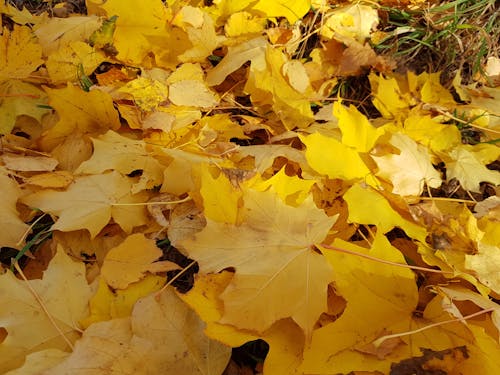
(42, 305)
(176, 277)
(345, 251)
(380, 340)
(152, 203)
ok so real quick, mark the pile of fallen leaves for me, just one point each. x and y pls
(204, 145)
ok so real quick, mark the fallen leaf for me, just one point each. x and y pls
(327, 163)
(54, 180)
(12, 228)
(133, 26)
(389, 292)
(71, 62)
(20, 98)
(380, 213)
(220, 199)
(466, 168)
(113, 151)
(128, 262)
(90, 202)
(410, 170)
(484, 265)
(162, 330)
(273, 242)
(357, 131)
(87, 112)
(20, 52)
(24, 163)
(65, 294)
(55, 32)
(107, 304)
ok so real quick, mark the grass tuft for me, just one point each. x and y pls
(448, 36)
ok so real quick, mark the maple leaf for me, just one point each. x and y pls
(428, 132)
(107, 304)
(484, 265)
(87, 112)
(124, 264)
(72, 61)
(272, 243)
(410, 170)
(380, 213)
(20, 53)
(285, 338)
(389, 292)
(65, 294)
(355, 22)
(162, 329)
(133, 26)
(352, 166)
(200, 29)
(115, 152)
(357, 131)
(186, 87)
(250, 50)
(147, 93)
(20, 98)
(55, 33)
(217, 190)
(267, 85)
(12, 227)
(90, 202)
(466, 168)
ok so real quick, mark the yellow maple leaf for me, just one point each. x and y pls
(432, 91)
(357, 131)
(87, 112)
(293, 10)
(20, 53)
(129, 261)
(353, 21)
(291, 189)
(200, 30)
(70, 62)
(466, 167)
(90, 202)
(106, 304)
(425, 130)
(55, 33)
(380, 213)
(12, 227)
(324, 153)
(388, 97)
(220, 199)
(409, 170)
(147, 93)
(390, 294)
(65, 293)
(115, 152)
(241, 23)
(20, 16)
(133, 26)
(484, 265)
(272, 243)
(268, 86)
(285, 339)
(251, 50)
(162, 334)
(20, 98)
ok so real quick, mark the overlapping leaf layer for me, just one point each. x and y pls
(346, 241)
